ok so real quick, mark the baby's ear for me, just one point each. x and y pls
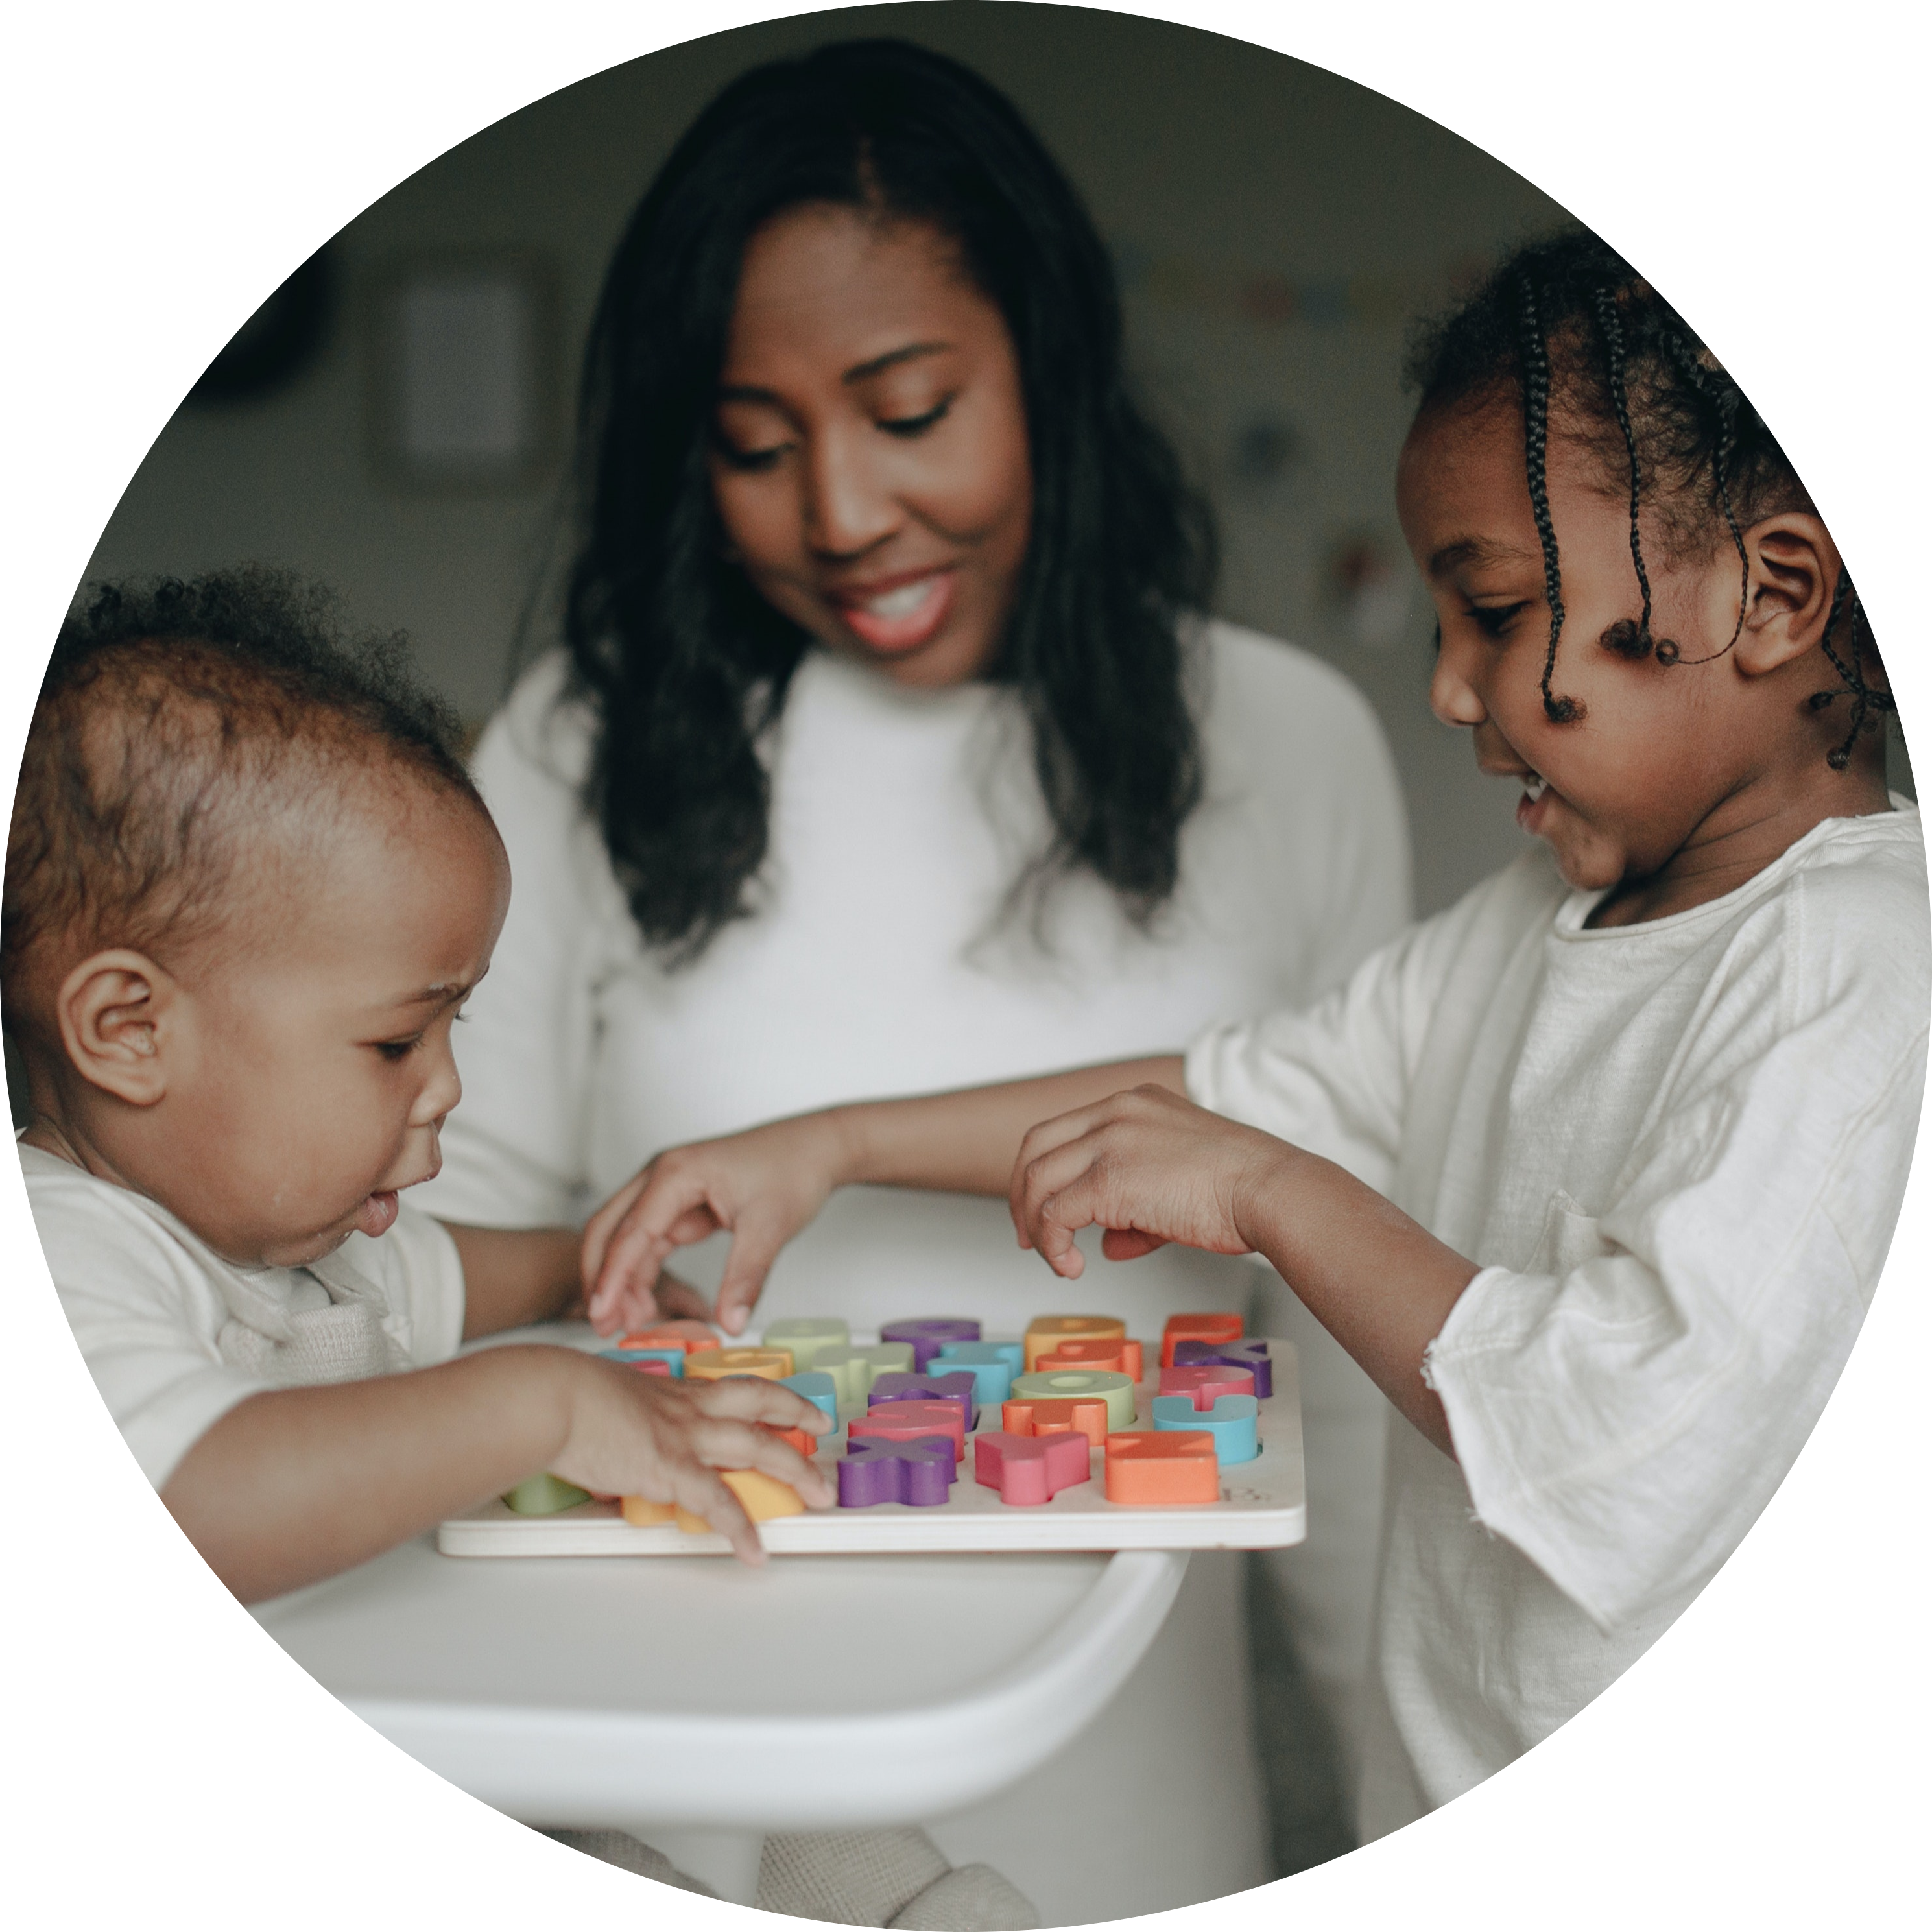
(116, 1011)
(1794, 568)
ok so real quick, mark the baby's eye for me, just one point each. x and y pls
(1492, 620)
(912, 426)
(398, 1049)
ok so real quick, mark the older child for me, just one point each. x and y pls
(1594, 1173)
(248, 890)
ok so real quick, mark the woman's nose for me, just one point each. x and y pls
(1452, 696)
(848, 507)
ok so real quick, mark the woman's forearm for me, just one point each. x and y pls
(964, 1142)
(294, 1485)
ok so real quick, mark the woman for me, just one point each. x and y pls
(886, 752)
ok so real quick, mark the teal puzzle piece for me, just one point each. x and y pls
(818, 1389)
(993, 1366)
(673, 1357)
(1232, 1422)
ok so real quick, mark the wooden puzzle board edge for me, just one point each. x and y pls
(1262, 1507)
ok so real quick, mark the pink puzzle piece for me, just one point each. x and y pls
(1205, 1383)
(1030, 1468)
(907, 1421)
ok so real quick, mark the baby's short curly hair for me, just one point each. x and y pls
(175, 721)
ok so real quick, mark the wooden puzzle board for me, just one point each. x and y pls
(1262, 1507)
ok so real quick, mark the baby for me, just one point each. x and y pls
(248, 888)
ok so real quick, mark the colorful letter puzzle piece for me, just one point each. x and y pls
(771, 1365)
(1069, 1384)
(926, 1338)
(1251, 1355)
(1113, 1353)
(856, 1369)
(1085, 1416)
(919, 1472)
(1044, 1333)
(1030, 1469)
(960, 1387)
(993, 1366)
(1161, 1466)
(1231, 1421)
(818, 1389)
(1197, 1328)
(643, 1514)
(544, 1495)
(806, 1337)
(1205, 1383)
(761, 1496)
(910, 1421)
(646, 1361)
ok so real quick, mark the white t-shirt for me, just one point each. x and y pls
(175, 1335)
(900, 821)
(1677, 1150)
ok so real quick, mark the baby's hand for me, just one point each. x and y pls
(630, 1435)
(1147, 1166)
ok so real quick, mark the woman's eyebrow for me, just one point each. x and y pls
(1478, 550)
(861, 372)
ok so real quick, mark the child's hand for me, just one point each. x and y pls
(649, 1436)
(1147, 1166)
(764, 1186)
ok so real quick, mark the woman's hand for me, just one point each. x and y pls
(1149, 1167)
(762, 1186)
(630, 1435)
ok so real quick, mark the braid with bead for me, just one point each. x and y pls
(1621, 637)
(1536, 452)
(1868, 703)
(1723, 401)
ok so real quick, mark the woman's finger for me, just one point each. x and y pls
(755, 1247)
(679, 1302)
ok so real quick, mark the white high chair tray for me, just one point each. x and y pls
(1262, 1507)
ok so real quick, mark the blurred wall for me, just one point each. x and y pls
(1274, 226)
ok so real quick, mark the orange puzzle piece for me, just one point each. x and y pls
(1046, 1332)
(1086, 1414)
(713, 1365)
(1199, 1328)
(1113, 1354)
(763, 1497)
(1169, 1465)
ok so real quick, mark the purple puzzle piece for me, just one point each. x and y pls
(871, 1471)
(1248, 1354)
(928, 1337)
(959, 1387)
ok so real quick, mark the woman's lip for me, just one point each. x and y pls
(898, 629)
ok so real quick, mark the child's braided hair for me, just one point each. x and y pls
(1568, 323)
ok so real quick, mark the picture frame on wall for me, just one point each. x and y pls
(464, 383)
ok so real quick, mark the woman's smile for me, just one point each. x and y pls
(898, 613)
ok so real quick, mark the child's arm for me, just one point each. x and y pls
(766, 1184)
(1151, 1167)
(513, 1276)
(294, 1485)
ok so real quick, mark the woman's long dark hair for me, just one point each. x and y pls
(685, 665)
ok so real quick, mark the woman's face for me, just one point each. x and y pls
(870, 461)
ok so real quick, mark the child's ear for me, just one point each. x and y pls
(116, 1012)
(1794, 570)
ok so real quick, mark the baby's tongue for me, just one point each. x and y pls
(377, 1214)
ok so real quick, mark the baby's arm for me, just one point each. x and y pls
(293, 1485)
(1151, 1167)
(766, 1184)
